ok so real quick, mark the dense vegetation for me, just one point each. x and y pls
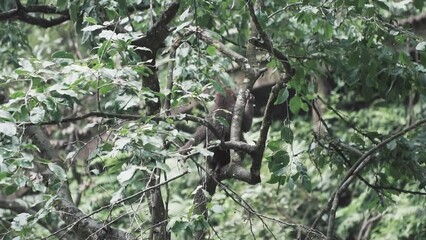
(98, 96)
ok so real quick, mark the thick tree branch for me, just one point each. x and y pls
(111, 205)
(155, 36)
(64, 203)
(13, 205)
(237, 171)
(267, 117)
(153, 40)
(21, 13)
(17, 207)
(44, 9)
(266, 124)
(181, 117)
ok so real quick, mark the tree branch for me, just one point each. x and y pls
(64, 203)
(137, 194)
(21, 13)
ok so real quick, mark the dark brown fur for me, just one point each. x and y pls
(223, 108)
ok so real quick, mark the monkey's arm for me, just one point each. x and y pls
(199, 136)
(224, 105)
(248, 113)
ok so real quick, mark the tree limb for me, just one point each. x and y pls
(64, 203)
(21, 13)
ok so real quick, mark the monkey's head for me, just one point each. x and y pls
(225, 102)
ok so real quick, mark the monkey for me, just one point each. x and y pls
(222, 109)
(248, 112)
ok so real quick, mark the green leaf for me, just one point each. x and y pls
(211, 50)
(421, 46)
(117, 196)
(39, 187)
(58, 171)
(222, 121)
(418, 4)
(20, 221)
(90, 20)
(204, 152)
(391, 145)
(162, 166)
(74, 11)
(182, 26)
(184, 15)
(328, 31)
(177, 225)
(92, 28)
(278, 163)
(290, 184)
(304, 107)
(126, 175)
(282, 96)
(272, 63)
(62, 4)
(102, 49)
(22, 72)
(37, 115)
(62, 54)
(122, 7)
(274, 179)
(295, 104)
(287, 135)
(383, 5)
(274, 145)
(5, 115)
(8, 129)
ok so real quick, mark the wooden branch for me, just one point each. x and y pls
(267, 117)
(68, 211)
(155, 36)
(237, 171)
(153, 40)
(180, 117)
(111, 205)
(21, 13)
(17, 207)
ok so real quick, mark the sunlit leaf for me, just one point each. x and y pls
(282, 96)
(37, 115)
(126, 175)
(62, 54)
(58, 171)
(8, 128)
(211, 50)
(92, 28)
(295, 104)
